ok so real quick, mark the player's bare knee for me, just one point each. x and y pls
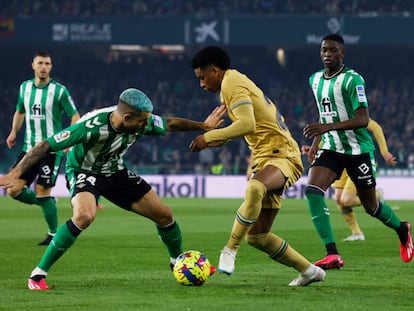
(84, 217)
(15, 190)
(164, 219)
(347, 200)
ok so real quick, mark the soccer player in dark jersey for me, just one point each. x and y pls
(95, 167)
(40, 105)
(275, 162)
(339, 92)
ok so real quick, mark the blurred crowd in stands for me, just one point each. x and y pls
(95, 76)
(81, 8)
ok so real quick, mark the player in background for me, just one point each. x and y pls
(95, 167)
(339, 92)
(346, 196)
(275, 162)
(40, 105)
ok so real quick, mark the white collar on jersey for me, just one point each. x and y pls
(334, 74)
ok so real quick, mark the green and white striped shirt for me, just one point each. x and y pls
(43, 107)
(337, 98)
(97, 147)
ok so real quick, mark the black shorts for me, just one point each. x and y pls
(360, 168)
(122, 188)
(46, 170)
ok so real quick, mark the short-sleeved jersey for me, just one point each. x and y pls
(97, 147)
(337, 98)
(271, 138)
(43, 107)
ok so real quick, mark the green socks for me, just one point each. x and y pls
(386, 215)
(171, 236)
(320, 214)
(64, 238)
(27, 196)
(48, 205)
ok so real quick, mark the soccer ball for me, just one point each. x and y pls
(192, 268)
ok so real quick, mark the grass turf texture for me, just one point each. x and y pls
(119, 263)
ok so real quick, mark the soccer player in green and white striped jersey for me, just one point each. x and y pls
(40, 106)
(339, 92)
(95, 167)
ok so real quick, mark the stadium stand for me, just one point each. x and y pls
(95, 75)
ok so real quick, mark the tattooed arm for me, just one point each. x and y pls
(31, 158)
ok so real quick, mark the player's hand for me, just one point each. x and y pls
(215, 118)
(7, 181)
(198, 144)
(11, 139)
(390, 159)
(305, 149)
(314, 129)
(312, 153)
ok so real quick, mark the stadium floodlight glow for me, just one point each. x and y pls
(129, 47)
(281, 57)
(169, 48)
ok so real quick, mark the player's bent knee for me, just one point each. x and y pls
(348, 200)
(84, 219)
(164, 219)
(15, 190)
(255, 189)
(257, 240)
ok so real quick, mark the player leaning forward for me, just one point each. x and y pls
(95, 167)
(276, 162)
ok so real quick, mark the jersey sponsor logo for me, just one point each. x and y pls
(158, 121)
(92, 123)
(362, 98)
(326, 106)
(37, 112)
(59, 137)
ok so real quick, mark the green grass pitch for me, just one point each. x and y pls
(119, 263)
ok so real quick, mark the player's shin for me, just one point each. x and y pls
(247, 214)
(48, 205)
(319, 213)
(278, 250)
(349, 217)
(387, 216)
(64, 238)
(27, 196)
(172, 238)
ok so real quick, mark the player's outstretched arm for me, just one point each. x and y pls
(214, 120)
(31, 158)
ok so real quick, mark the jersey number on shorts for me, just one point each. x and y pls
(81, 178)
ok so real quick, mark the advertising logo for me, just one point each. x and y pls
(333, 25)
(96, 32)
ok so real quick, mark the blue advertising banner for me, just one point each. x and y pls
(277, 30)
